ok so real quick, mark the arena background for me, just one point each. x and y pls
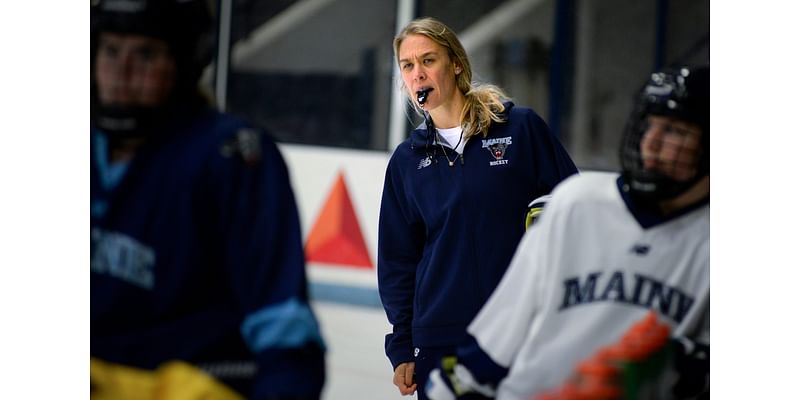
(320, 75)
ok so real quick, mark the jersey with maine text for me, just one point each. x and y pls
(586, 272)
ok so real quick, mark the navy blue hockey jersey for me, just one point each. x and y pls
(196, 255)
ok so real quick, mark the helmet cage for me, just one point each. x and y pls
(681, 94)
(186, 27)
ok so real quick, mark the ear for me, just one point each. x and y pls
(457, 69)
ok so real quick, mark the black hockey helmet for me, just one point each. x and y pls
(681, 93)
(185, 25)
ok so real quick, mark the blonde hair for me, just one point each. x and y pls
(483, 102)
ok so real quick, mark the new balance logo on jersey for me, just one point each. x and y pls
(634, 289)
(424, 163)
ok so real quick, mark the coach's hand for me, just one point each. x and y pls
(404, 378)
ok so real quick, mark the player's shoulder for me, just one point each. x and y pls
(585, 186)
(238, 139)
(227, 125)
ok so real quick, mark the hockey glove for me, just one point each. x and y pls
(452, 381)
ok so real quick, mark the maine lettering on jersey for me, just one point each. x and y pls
(122, 257)
(635, 289)
(489, 142)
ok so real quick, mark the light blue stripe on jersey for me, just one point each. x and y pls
(110, 173)
(285, 325)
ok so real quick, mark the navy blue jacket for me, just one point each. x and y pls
(446, 234)
(196, 255)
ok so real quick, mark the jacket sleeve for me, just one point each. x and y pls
(265, 267)
(400, 242)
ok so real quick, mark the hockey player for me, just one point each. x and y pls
(196, 253)
(607, 249)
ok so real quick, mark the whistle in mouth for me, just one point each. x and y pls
(422, 95)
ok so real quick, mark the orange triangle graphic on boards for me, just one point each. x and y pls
(336, 236)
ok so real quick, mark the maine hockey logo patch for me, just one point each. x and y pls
(497, 148)
(424, 163)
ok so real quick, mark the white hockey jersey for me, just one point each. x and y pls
(583, 275)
